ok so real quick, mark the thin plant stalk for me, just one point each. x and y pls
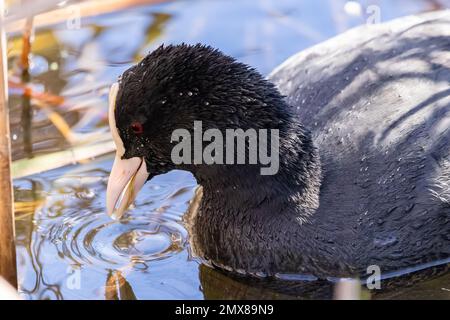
(8, 268)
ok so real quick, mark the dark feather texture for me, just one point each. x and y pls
(366, 184)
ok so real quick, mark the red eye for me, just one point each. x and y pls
(137, 128)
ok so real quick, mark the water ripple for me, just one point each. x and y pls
(74, 221)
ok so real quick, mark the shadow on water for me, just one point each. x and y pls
(219, 285)
(69, 249)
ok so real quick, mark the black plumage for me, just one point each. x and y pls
(364, 161)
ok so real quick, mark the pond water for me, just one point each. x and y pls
(67, 247)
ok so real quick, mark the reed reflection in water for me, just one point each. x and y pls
(68, 248)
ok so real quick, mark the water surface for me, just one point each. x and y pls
(67, 247)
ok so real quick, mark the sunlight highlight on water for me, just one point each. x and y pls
(67, 246)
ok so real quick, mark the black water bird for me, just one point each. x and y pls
(364, 146)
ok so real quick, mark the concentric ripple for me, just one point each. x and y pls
(128, 241)
(74, 220)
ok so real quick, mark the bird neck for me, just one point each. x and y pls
(255, 222)
(295, 184)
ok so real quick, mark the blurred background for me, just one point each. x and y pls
(62, 58)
